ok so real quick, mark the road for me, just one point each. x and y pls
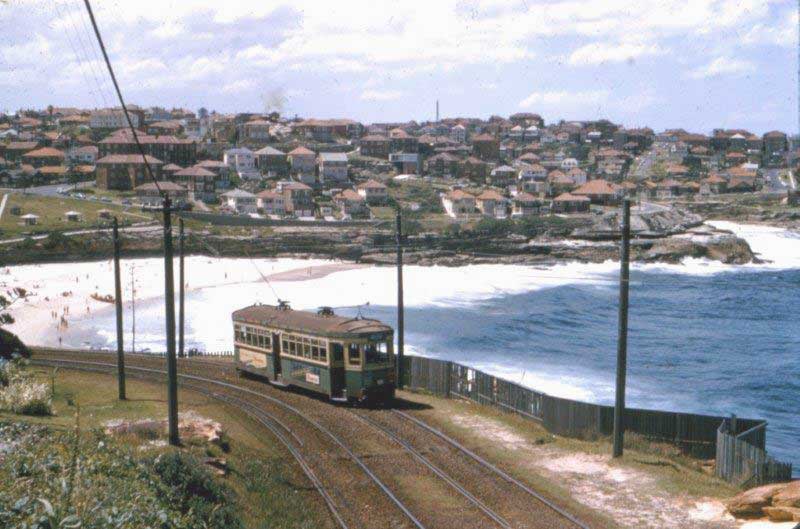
(52, 190)
(130, 229)
(3, 204)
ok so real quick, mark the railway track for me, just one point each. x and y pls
(471, 491)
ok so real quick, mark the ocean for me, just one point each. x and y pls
(703, 337)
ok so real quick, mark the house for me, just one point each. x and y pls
(351, 203)
(485, 147)
(272, 162)
(168, 149)
(302, 161)
(114, 119)
(220, 169)
(199, 183)
(373, 192)
(169, 171)
(525, 204)
(713, 185)
(569, 203)
(375, 146)
(168, 127)
(82, 155)
(332, 168)
(149, 195)
(297, 198)
(741, 185)
(402, 141)
(476, 169)
(43, 156)
(270, 202)
(503, 175)
(124, 172)
(668, 188)
(492, 204)
(457, 203)
(257, 130)
(598, 192)
(240, 159)
(559, 183)
(443, 164)
(459, 133)
(240, 201)
(578, 175)
(569, 163)
(15, 149)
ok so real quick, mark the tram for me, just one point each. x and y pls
(347, 359)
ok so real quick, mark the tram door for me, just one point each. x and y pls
(276, 355)
(337, 370)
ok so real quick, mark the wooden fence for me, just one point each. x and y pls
(742, 460)
(694, 434)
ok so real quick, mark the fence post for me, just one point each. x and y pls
(448, 366)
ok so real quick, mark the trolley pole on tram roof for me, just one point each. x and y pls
(622, 343)
(118, 303)
(180, 289)
(169, 299)
(400, 307)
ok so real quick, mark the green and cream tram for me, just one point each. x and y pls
(344, 358)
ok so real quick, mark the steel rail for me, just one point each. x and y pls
(436, 470)
(493, 468)
(357, 460)
(262, 417)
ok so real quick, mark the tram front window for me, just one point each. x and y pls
(376, 353)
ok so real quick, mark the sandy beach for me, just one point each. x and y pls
(60, 295)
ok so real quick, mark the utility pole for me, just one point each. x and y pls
(400, 308)
(133, 311)
(622, 343)
(180, 290)
(169, 299)
(118, 303)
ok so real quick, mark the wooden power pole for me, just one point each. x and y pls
(118, 303)
(180, 289)
(400, 307)
(622, 343)
(169, 299)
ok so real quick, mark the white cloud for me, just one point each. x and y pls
(783, 33)
(237, 86)
(571, 99)
(380, 95)
(169, 29)
(722, 66)
(610, 52)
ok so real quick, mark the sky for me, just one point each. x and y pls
(696, 64)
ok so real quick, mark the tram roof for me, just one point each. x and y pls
(306, 321)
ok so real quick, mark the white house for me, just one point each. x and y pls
(240, 159)
(271, 202)
(459, 133)
(373, 192)
(568, 163)
(332, 167)
(457, 203)
(240, 201)
(492, 204)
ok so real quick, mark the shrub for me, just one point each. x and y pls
(194, 490)
(19, 393)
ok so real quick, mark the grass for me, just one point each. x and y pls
(271, 490)
(672, 472)
(51, 214)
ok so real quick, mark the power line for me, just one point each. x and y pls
(80, 60)
(121, 100)
(95, 57)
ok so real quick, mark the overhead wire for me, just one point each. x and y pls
(95, 92)
(122, 100)
(94, 60)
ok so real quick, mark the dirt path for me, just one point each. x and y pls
(3, 205)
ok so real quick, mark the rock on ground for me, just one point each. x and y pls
(754, 503)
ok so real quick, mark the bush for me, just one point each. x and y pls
(19, 393)
(193, 490)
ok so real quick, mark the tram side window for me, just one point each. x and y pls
(353, 354)
(238, 336)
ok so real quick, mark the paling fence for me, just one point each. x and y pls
(742, 460)
(694, 434)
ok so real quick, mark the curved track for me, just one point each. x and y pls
(479, 493)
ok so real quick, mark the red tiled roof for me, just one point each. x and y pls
(44, 152)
